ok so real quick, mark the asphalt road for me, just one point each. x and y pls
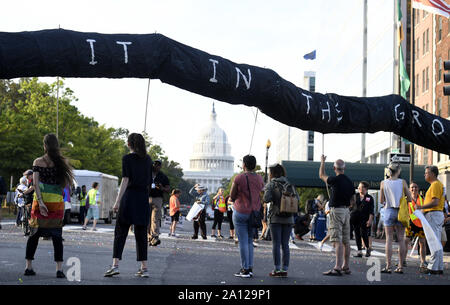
(182, 261)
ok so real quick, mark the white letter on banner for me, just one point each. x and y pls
(247, 82)
(91, 42)
(442, 127)
(401, 113)
(326, 110)
(307, 101)
(339, 118)
(416, 117)
(214, 62)
(124, 43)
(374, 272)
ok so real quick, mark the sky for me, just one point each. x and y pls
(268, 34)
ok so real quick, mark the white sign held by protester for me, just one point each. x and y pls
(434, 242)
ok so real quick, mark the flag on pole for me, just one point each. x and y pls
(404, 78)
(311, 55)
(439, 7)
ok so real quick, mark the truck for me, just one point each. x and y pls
(108, 187)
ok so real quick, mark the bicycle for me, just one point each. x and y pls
(25, 224)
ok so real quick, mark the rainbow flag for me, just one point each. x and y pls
(53, 199)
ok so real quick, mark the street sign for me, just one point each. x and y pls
(400, 158)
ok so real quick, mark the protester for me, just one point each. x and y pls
(230, 215)
(317, 205)
(327, 214)
(301, 226)
(201, 197)
(131, 204)
(245, 193)
(82, 198)
(415, 229)
(19, 200)
(159, 185)
(174, 211)
(362, 218)
(342, 196)
(3, 193)
(219, 203)
(280, 223)
(265, 227)
(432, 208)
(93, 197)
(51, 173)
(391, 191)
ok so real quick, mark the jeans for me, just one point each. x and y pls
(436, 220)
(280, 239)
(245, 236)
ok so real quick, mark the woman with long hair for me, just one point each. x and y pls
(131, 205)
(51, 173)
(392, 190)
(280, 224)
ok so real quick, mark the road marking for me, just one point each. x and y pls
(80, 229)
(325, 247)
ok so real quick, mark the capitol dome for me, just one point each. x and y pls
(211, 159)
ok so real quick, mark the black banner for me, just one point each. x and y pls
(76, 54)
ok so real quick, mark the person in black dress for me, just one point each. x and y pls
(362, 217)
(132, 204)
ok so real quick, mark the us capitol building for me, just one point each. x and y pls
(211, 160)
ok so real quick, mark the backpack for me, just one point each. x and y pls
(287, 205)
(3, 187)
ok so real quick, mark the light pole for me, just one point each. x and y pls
(267, 158)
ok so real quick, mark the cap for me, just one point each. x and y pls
(28, 172)
(200, 188)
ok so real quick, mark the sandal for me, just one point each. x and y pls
(399, 270)
(346, 270)
(386, 270)
(333, 272)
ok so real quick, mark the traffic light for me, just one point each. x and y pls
(447, 77)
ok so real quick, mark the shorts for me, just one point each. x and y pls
(390, 218)
(93, 212)
(176, 216)
(339, 225)
(414, 231)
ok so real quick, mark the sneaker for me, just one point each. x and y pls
(194, 237)
(278, 273)
(29, 272)
(60, 274)
(204, 237)
(142, 273)
(84, 228)
(114, 270)
(243, 273)
(255, 245)
(250, 271)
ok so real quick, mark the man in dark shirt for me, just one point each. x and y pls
(341, 197)
(159, 185)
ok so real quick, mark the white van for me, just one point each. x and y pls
(108, 187)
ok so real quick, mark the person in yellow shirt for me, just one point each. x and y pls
(433, 211)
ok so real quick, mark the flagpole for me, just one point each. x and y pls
(412, 87)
